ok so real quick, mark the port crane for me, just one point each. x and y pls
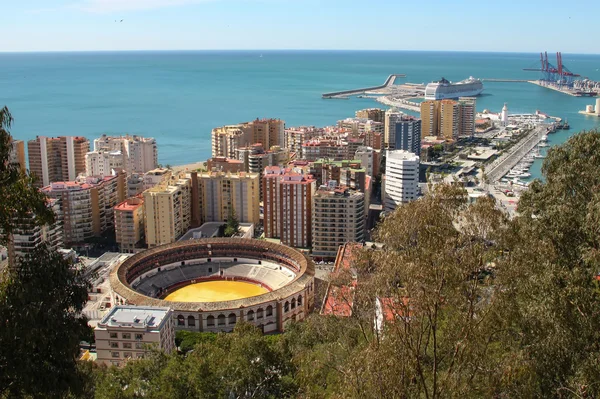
(560, 74)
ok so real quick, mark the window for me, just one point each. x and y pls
(294, 303)
(126, 335)
(139, 336)
(221, 320)
(127, 355)
(232, 318)
(300, 300)
(210, 321)
(191, 321)
(140, 355)
(126, 345)
(114, 354)
(113, 335)
(180, 320)
(286, 307)
(259, 313)
(269, 310)
(114, 344)
(139, 345)
(251, 315)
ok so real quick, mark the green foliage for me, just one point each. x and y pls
(187, 340)
(40, 325)
(233, 225)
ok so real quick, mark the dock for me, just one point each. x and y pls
(505, 80)
(388, 82)
(564, 90)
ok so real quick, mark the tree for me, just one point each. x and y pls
(41, 300)
(233, 225)
(548, 276)
(41, 296)
(20, 199)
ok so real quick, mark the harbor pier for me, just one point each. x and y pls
(388, 82)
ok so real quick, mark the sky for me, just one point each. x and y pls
(459, 25)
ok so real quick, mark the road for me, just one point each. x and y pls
(508, 160)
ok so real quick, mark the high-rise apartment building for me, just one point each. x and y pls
(468, 112)
(27, 235)
(369, 160)
(221, 194)
(167, 210)
(401, 179)
(375, 114)
(156, 176)
(17, 154)
(129, 224)
(103, 163)
(404, 133)
(449, 119)
(140, 154)
(57, 159)
(86, 205)
(227, 139)
(268, 132)
(296, 136)
(338, 218)
(325, 149)
(359, 126)
(130, 332)
(255, 159)
(430, 118)
(288, 195)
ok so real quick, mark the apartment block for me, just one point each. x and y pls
(222, 193)
(27, 235)
(430, 118)
(296, 136)
(255, 159)
(104, 163)
(323, 148)
(374, 114)
(268, 132)
(403, 132)
(338, 217)
(361, 125)
(401, 183)
(86, 205)
(57, 159)
(129, 224)
(227, 139)
(167, 210)
(288, 195)
(468, 112)
(369, 159)
(140, 154)
(449, 119)
(129, 332)
(17, 154)
(222, 164)
(156, 176)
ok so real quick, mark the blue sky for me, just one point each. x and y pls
(508, 25)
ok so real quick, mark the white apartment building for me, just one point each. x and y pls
(140, 154)
(366, 155)
(401, 179)
(102, 163)
(128, 332)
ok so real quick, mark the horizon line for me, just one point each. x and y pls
(273, 50)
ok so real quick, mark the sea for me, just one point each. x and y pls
(177, 97)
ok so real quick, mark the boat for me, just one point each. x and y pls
(444, 89)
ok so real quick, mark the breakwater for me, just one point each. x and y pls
(388, 82)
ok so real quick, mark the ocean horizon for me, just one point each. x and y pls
(178, 96)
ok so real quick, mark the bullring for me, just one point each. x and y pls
(148, 277)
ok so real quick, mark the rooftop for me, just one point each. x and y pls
(130, 204)
(142, 317)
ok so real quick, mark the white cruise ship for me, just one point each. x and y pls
(445, 89)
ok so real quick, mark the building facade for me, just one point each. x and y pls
(288, 196)
(222, 194)
(338, 217)
(401, 179)
(404, 134)
(57, 159)
(129, 332)
(139, 154)
(103, 163)
(17, 154)
(129, 224)
(375, 114)
(167, 210)
(86, 205)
